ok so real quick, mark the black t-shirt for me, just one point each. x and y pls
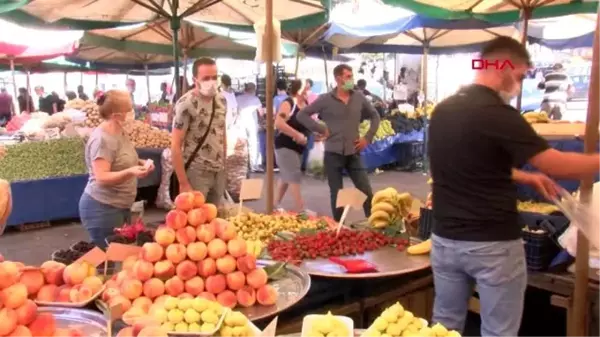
(284, 141)
(475, 140)
(46, 103)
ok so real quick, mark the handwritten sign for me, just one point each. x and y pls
(350, 197)
(251, 189)
(270, 330)
(119, 251)
(94, 257)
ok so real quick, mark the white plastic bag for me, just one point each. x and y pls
(163, 198)
(315, 164)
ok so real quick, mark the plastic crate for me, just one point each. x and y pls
(426, 222)
(540, 249)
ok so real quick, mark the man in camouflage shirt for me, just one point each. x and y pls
(192, 118)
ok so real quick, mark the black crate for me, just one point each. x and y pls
(426, 221)
(540, 249)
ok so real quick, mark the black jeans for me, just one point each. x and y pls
(335, 164)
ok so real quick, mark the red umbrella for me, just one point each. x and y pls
(31, 54)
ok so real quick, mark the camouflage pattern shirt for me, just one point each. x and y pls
(192, 115)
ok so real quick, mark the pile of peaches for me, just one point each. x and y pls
(21, 287)
(195, 254)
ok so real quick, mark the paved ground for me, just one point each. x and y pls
(35, 247)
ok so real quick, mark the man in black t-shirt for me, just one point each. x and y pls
(476, 143)
(46, 103)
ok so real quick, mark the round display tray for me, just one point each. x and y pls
(91, 323)
(388, 261)
(290, 290)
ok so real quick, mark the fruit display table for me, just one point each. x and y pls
(58, 198)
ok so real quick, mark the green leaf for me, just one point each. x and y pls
(285, 236)
(302, 216)
(307, 231)
(276, 271)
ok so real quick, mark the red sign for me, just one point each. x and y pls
(481, 64)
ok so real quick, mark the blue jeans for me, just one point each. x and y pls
(100, 219)
(335, 164)
(498, 269)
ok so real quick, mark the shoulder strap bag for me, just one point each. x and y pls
(174, 183)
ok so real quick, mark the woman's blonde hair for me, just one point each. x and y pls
(114, 101)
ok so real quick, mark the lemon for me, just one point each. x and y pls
(394, 329)
(181, 327)
(175, 316)
(453, 333)
(389, 316)
(171, 303)
(439, 330)
(380, 324)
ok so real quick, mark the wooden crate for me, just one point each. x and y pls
(559, 130)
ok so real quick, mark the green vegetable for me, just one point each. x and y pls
(45, 159)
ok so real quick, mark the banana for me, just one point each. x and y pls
(377, 223)
(379, 215)
(383, 206)
(420, 248)
(404, 196)
(258, 248)
(380, 196)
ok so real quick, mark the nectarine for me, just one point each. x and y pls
(26, 313)
(176, 219)
(208, 296)
(174, 286)
(186, 270)
(217, 248)
(14, 296)
(186, 235)
(205, 233)
(246, 264)
(142, 270)
(94, 283)
(227, 299)
(164, 236)
(194, 286)
(164, 269)
(154, 288)
(143, 303)
(215, 284)
(207, 267)
(235, 280)
(152, 252)
(237, 247)
(224, 229)
(199, 199)
(120, 300)
(53, 272)
(20, 331)
(246, 296)
(226, 264)
(210, 210)
(75, 273)
(129, 262)
(257, 278)
(184, 201)
(266, 295)
(132, 289)
(176, 253)
(33, 279)
(196, 251)
(43, 325)
(47, 293)
(196, 217)
(9, 274)
(8, 321)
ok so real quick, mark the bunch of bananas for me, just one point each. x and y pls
(254, 247)
(388, 206)
(385, 129)
(536, 117)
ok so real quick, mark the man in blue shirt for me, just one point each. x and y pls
(282, 94)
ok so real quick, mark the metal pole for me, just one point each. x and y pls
(147, 82)
(425, 117)
(297, 64)
(14, 81)
(269, 101)
(175, 25)
(526, 13)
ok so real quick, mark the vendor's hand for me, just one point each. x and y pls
(138, 171)
(545, 186)
(360, 144)
(300, 139)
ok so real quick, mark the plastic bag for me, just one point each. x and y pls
(315, 164)
(237, 159)
(163, 198)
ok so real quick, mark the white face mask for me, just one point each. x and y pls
(208, 88)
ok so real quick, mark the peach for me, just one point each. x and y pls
(224, 229)
(199, 199)
(20, 331)
(227, 298)
(164, 236)
(266, 295)
(185, 295)
(154, 288)
(9, 274)
(161, 299)
(164, 269)
(132, 315)
(235, 280)
(120, 300)
(176, 219)
(142, 270)
(124, 275)
(210, 210)
(129, 262)
(152, 331)
(14, 296)
(53, 272)
(26, 313)
(208, 296)
(47, 293)
(8, 321)
(94, 283)
(246, 296)
(237, 247)
(110, 293)
(184, 201)
(43, 325)
(196, 217)
(186, 270)
(132, 289)
(174, 286)
(33, 280)
(80, 293)
(126, 332)
(246, 264)
(215, 284)
(197, 251)
(207, 267)
(194, 286)
(205, 233)
(152, 252)
(217, 248)
(75, 273)
(63, 293)
(143, 303)
(176, 253)
(226, 264)
(111, 284)
(257, 278)
(186, 235)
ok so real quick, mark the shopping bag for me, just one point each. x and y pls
(163, 198)
(315, 164)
